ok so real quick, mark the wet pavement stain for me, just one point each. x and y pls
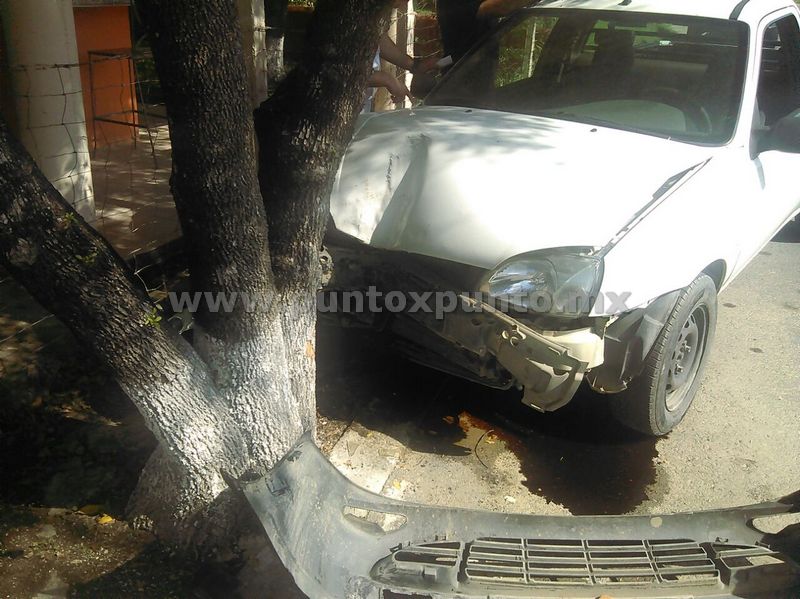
(578, 457)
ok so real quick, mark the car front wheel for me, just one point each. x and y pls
(658, 399)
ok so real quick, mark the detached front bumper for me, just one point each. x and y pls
(340, 541)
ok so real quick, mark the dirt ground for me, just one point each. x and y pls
(71, 449)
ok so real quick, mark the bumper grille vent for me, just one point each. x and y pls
(573, 563)
(681, 566)
(430, 554)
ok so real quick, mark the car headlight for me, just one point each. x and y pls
(561, 281)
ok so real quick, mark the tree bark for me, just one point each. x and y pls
(303, 130)
(276, 12)
(245, 393)
(75, 274)
(230, 407)
(305, 126)
(200, 62)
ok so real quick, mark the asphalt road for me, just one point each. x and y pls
(415, 434)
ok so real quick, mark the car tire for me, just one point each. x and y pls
(657, 400)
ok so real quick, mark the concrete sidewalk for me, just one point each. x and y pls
(134, 206)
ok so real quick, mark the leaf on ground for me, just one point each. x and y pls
(91, 509)
(105, 519)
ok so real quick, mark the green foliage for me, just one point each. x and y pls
(66, 221)
(89, 258)
(425, 6)
(521, 49)
(153, 318)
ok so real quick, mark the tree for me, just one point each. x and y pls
(253, 224)
(276, 12)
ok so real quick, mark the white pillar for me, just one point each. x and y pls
(253, 23)
(407, 33)
(46, 80)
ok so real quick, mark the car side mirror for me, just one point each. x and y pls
(784, 135)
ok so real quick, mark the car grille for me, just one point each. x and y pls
(571, 563)
(488, 563)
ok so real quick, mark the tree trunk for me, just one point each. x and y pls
(245, 393)
(199, 58)
(75, 274)
(230, 407)
(276, 12)
(303, 130)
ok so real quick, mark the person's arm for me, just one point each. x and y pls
(499, 8)
(391, 52)
(397, 89)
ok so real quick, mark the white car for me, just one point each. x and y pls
(587, 180)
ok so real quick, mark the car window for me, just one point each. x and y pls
(678, 77)
(520, 50)
(779, 79)
(645, 34)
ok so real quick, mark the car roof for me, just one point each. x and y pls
(746, 10)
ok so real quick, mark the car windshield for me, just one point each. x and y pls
(671, 76)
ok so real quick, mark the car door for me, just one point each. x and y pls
(778, 95)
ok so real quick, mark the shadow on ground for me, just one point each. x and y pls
(579, 457)
(71, 450)
(790, 233)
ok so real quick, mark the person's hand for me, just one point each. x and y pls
(398, 90)
(424, 65)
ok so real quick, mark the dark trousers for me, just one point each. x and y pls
(460, 26)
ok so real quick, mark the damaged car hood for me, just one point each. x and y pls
(427, 179)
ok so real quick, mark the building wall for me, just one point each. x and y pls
(7, 107)
(105, 28)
